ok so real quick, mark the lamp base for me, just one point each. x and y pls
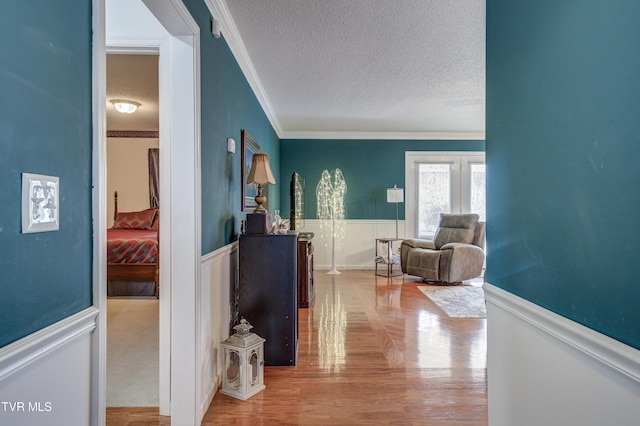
(258, 223)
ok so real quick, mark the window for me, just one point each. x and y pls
(442, 182)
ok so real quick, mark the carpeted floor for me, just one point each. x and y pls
(132, 352)
(457, 301)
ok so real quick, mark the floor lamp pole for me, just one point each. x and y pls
(396, 221)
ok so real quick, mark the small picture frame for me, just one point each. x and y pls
(40, 203)
(249, 190)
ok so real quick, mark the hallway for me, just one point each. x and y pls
(371, 350)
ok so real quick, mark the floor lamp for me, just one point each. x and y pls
(395, 195)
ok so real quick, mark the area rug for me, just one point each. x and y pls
(457, 301)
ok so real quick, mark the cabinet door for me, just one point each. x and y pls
(305, 274)
(268, 293)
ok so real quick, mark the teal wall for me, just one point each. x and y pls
(45, 128)
(228, 105)
(368, 166)
(562, 149)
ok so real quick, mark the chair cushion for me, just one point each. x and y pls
(424, 263)
(455, 228)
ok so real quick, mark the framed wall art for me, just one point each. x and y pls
(249, 191)
(40, 203)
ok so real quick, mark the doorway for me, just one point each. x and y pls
(167, 26)
(132, 305)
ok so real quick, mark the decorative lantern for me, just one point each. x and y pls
(243, 363)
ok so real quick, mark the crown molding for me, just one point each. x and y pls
(386, 135)
(219, 10)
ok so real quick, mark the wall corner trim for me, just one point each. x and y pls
(610, 352)
(31, 348)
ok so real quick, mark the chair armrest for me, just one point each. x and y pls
(461, 246)
(460, 261)
(418, 243)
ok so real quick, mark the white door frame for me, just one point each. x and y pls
(179, 91)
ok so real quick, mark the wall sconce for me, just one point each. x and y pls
(395, 195)
(124, 106)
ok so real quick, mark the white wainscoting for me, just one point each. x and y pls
(357, 249)
(45, 378)
(218, 272)
(544, 369)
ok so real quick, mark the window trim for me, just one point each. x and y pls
(412, 159)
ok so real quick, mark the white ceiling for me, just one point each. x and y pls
(386, 69)
(389, 67)
(133, 77)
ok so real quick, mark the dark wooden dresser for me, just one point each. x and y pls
(268, 293)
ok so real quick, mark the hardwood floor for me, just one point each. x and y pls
(372, 350)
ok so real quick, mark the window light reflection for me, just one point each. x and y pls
(332, 333)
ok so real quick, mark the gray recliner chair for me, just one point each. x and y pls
(455, 254)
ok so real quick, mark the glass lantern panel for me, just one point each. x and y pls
(253, 362)
(233, 370)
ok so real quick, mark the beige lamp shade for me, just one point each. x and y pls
(260, 172)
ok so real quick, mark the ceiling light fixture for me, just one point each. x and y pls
(124, 106)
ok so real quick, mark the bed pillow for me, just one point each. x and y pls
(135, 220)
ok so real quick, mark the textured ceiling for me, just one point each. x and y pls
(133, 77)
(363, 66)
(341, 68)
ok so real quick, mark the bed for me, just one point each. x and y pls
(133, 252)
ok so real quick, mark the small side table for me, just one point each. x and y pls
(388, 258)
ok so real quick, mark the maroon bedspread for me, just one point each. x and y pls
(132, 246)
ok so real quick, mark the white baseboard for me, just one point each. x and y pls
(546, 369)
(209, 394)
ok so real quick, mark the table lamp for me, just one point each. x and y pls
(260, 174)
(259, 222)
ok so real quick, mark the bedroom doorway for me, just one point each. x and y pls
(167, 27)
(132, 182)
